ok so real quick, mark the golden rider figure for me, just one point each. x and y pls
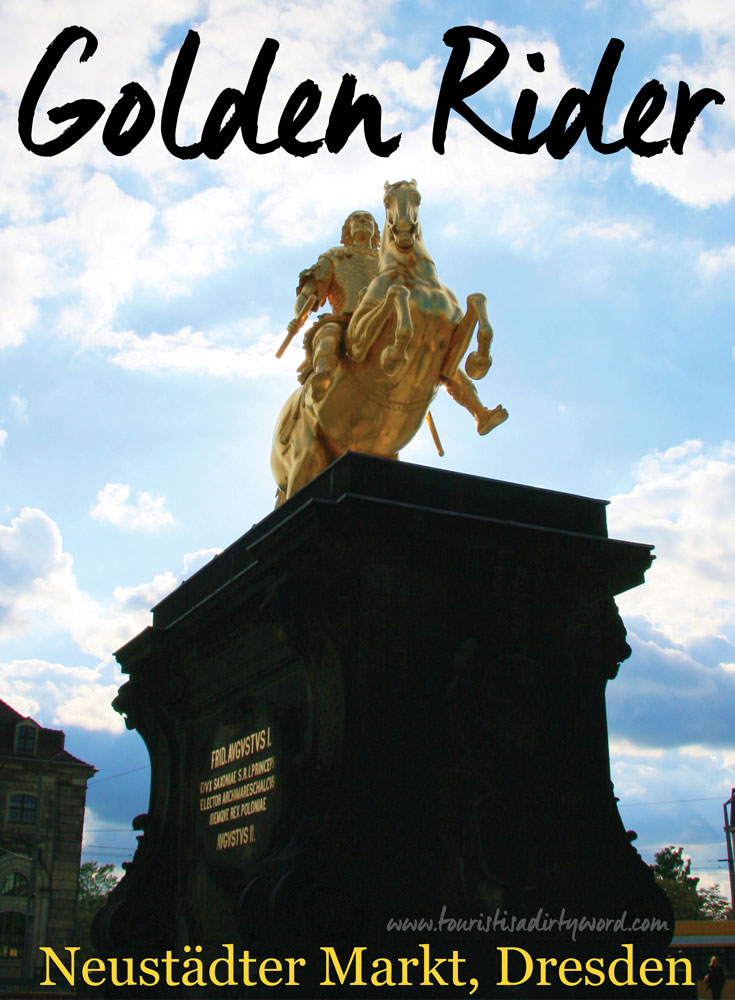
(338, 277)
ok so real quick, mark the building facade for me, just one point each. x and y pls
(42, 794)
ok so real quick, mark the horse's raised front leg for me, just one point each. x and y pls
(366, 324)
(372, 318)
(394, 357)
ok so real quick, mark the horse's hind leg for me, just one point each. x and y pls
(479, 361)
(463, 392)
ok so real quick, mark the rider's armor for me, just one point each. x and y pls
(340, 275)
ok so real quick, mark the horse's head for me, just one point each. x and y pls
(402, 227)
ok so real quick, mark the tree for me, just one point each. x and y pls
(95, 883)
(673, 874)
(714, 904)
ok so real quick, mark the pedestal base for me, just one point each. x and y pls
(377, 721)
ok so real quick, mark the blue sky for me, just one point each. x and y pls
(144, 297)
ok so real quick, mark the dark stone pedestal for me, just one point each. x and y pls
(386, 702)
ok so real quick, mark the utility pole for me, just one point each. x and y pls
(729, 837)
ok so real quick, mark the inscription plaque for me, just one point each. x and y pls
(238, 792)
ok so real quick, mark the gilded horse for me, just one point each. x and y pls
(406, 337)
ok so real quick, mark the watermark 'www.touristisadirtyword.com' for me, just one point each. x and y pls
(504, 922)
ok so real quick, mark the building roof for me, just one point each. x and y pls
(49, 743)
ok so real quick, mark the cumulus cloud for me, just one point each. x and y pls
(184, 222)
(644, 774)
(143, 596)
(194, 561)
(62, 695)
(550, 85)
(678, 789)
(704, 174)
(683, 504)
(38, 589)
(721, 260)
(703, 16)
(192, 352)
(670, 707)
(670, 694)
(3, 437)
(147, 514)
(613, 231)
(30, 551)
(23, 277)
(683, 176)
(19, 405)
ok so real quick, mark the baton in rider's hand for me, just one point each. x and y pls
(295, 325)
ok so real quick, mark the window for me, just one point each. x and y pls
(25, 739)
(22, 809)
(12, 929)
(14, 884)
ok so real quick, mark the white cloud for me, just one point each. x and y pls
(144, 595)
(550, 85)
(610, 231)
(410, 87)
(683, 504)
(147, 514)
(23, 275)
(674, 797)
(20, 407)
(670, 707)
(673, 694)
(3, 437)
(194, 561)
(704, 174)
(68, 239)
(61, 695)
(714, 262)
(703, 16)
(38, 587)
(38, 590)
(191, 351)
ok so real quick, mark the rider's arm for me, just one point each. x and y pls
(316, 281)
(306, 290)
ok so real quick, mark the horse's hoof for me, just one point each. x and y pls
(491, 418)
(477, 365)
(320, 382)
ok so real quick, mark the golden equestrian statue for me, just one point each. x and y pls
(374, 365)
